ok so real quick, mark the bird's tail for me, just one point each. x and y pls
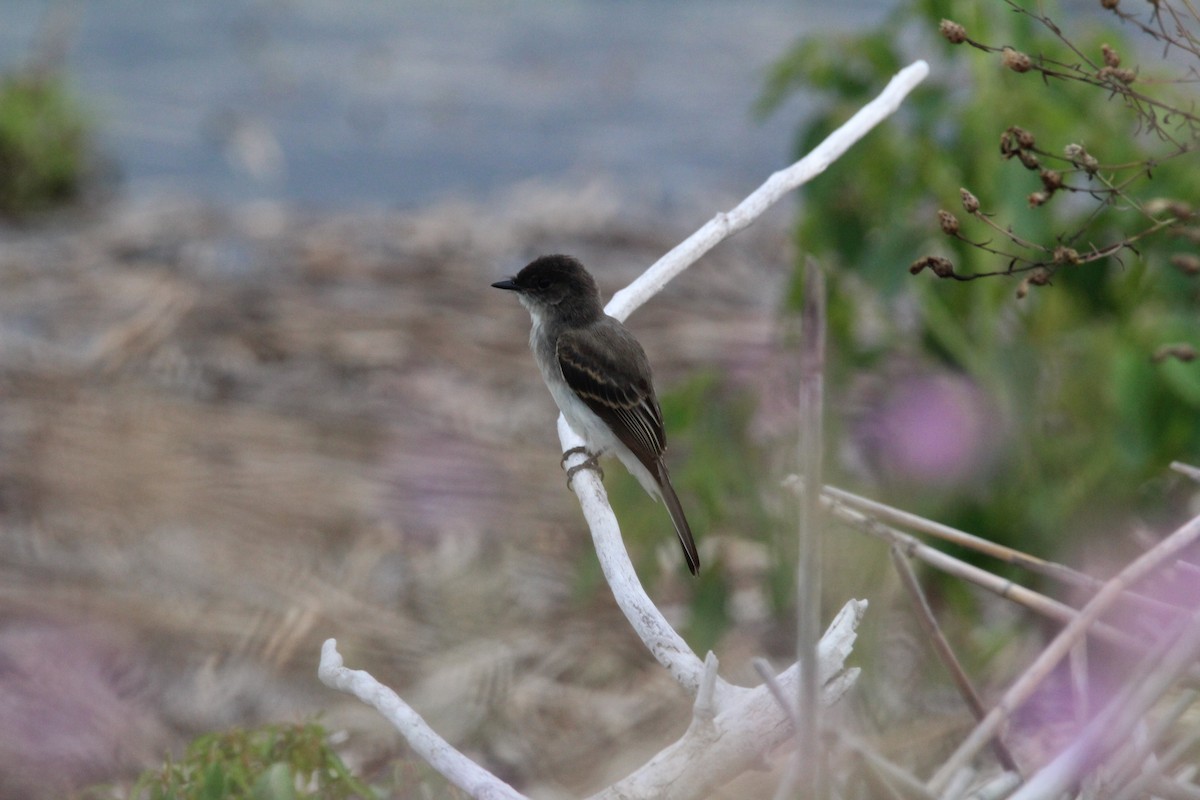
(677, 518)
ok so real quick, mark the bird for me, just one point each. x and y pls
(599, 377)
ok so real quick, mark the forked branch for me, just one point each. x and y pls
(733, 728)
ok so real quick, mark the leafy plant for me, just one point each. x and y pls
(276, 762)
(1086, 390)
(43, 143)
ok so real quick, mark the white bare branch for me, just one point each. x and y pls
(733, 728)
(748, 727)
(727, 223)
(648, 622)
(441, 755)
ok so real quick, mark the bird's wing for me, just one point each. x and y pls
(607, 368)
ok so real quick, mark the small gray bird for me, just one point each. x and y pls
(599, 377)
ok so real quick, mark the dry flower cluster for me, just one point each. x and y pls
(1113, 189)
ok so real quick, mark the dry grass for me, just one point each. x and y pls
(228, 436)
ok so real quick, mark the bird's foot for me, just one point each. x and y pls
(592, 462)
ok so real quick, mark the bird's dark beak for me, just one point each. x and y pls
(507, 283)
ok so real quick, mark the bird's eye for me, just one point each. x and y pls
(543, 284)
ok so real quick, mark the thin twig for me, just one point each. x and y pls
(959, 784)
(1173, 789)
(764, 670)
(950, 661)
(1169, 760)
(704, 708)
(1020, 691)
(1134, 762)
(997, 788)
(896, 777)
(808, 568)
(980, 577)
(1186, 469)
(1154, 675)
(1077, 668)
(1008, 555)
(1000, 552)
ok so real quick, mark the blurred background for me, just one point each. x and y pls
(258, 393)
(401, 106)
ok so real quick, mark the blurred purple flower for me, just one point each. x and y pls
(75, 708)
(928, 429)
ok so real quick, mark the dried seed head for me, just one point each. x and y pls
(949, 222)
(1014, 141)
(1080, 157)
(1191, 233)
(1051, 180)
(1008, 145)
(1186, 263)
(1182, 351)
(1111, 59)
(1066, 255)
(1125, 76)
(954, 33)
(970, 202)
(1157, 205)
(941, 266)
(1178, 209)
(1023, 288)
(1015, 60)
(1039, 277)
(1037, 198)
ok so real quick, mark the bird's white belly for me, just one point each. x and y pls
(597, 436)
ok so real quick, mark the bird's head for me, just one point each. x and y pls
(556, 285)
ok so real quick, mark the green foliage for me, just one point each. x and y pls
(276, 762)
(1089, 417)
(43, 143)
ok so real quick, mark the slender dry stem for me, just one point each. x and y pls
(1008, 555)
(944, 652)
(808, 568)
(764, 670)
(899, 780)
(1002, 587)
(1127, 770)
(1113, 726)
(1074, 632)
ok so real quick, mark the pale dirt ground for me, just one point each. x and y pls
(227, 435)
